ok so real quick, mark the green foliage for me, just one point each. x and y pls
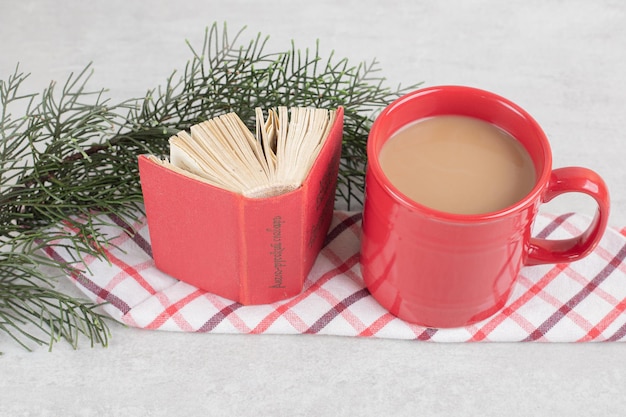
(72, 153)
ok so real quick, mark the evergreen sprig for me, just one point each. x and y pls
(72, 156)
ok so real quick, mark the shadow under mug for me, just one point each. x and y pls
(440, 269)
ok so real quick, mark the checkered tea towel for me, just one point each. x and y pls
(577, 302)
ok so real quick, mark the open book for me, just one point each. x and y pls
(244, 216)
(224, 153)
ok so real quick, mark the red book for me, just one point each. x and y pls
(250, 250)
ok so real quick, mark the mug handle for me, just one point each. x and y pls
(565, 180)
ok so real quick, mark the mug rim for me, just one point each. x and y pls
(374, 168)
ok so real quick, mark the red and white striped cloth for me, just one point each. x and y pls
(578, 302)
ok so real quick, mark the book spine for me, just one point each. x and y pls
(273, 241)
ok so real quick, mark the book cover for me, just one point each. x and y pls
(250, 250)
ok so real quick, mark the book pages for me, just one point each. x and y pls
(225, 153)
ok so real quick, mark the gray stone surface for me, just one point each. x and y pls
(564, 62)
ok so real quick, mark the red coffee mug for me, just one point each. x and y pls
(439, 269)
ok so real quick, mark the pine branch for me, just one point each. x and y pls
(72, 156)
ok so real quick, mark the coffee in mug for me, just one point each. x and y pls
(458, 164)
(456, 264)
